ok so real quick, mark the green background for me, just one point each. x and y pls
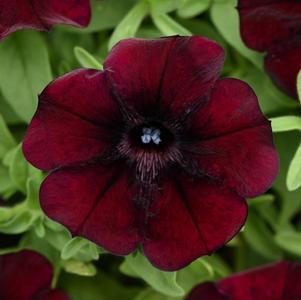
(29, 60)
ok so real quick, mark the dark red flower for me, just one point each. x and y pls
(155, 150)
(27, 275)
(274, 26)
(42, 14)
(280, 281)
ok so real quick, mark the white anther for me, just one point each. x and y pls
(146, 138)
(151, 134)
(156, 136)
(156, 140)
(146, 130)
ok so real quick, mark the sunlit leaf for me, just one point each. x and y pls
(24, 64)
(293, 180)
(130, 23)
(192, 8)
(86, 59)
(168, 26)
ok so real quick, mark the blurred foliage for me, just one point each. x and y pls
(29, 60)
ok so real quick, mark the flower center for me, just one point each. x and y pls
(151, 134)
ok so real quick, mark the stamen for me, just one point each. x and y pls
(151, 134)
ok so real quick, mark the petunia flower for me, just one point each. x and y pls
(42, 14)
(153, 151)
(274, 27)
(27, 275)
(278, 281)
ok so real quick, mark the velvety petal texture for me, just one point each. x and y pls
(169, 73)
(266, 22)
(42, 14)
(74, 122)
(235, 137)
(27, 275)
(283, 63)
(206, 291)
(95, 202)
(279, 281)
(154, 152)
(274, 26)
(187, 213)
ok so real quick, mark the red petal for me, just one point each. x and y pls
(236, 144)
(73, 120)
(279, 281)
(52, 295)
(206, 291)
(17, 14)
(267, 22)
(283, 64)
(42, 14)
(170, 72)
(191, 219)
(266, 283)
(23, 275)
(94, 202)
(293, 283)
(72, 12)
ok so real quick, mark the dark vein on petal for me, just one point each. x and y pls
(46, 27)
(289, 267)
(109, 185)
(163, 72)
(128, 112)
(181, 191)
(233, 132)
(64, 109)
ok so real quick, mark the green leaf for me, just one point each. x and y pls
(99, 287)
(165, 6)
(72, 247)
(7, 142)
(286, 144)
(289, 241)
(32, 193)
(6, 213)
(130, 23)
(80, 249)
(7, 187)
(272, 101)
(219, 266)
(259, 237)
(39, 228)
(24, 64)
(30, 240)
(57, 239)
(293, 180)
(268, 212)
(9, 250)
(198, 271)
(86, 59)
(8, 113)
(263, 199)
(19, 168)
(150, 294)
(105, 15)
(54, 226)
(21, 222)
(299, 85)
(164, 282)
(79, 268)
(225, 17)
(286, 123)
(168, 26)
(192, 8)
